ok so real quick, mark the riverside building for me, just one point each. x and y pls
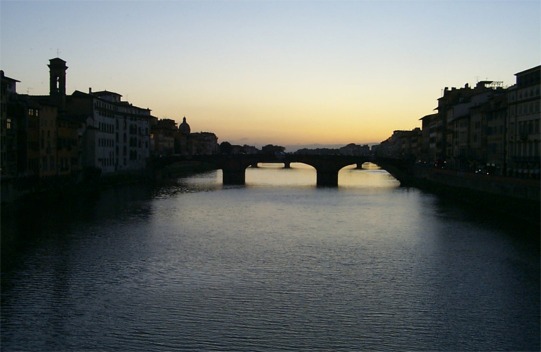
(486, 129)
(116, 135)
(524, 112)
(62, 135)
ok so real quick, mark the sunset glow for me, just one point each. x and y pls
(281, 72)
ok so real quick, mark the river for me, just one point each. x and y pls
(276, 265)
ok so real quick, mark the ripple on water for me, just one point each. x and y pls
(265, 267)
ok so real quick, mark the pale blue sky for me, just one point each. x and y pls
(277, 72)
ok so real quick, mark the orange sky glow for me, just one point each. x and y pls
(274, 72)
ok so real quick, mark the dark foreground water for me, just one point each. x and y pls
(276, 265)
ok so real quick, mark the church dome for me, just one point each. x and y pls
(184, 127)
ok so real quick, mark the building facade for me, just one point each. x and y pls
(203, 143)
(524, 110)
(167, 139)
(163, 135)
(402, 145)
(60, 134)
(48, 135)
(116, 134)
(487, 129)
(8, 127)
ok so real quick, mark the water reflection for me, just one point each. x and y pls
(27, 225)
(276, 264)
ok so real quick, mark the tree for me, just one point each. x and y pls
(226, 148)
(272, 149)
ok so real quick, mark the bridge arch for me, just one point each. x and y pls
(327, 166)
(286, 164)
(326, 172)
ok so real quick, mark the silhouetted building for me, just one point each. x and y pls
(163, 135)
(48, 134)
(57, 82)
(485, 129)
(203, 143)
(355, 150)
(68, 145)
(8, 127)
(431, 143)
(454, 114)
(402, 145)
(184, 128)
(27, 113)
(460, 151)
(59, 132)
(183, 137)
(487, 136)
(167, 139)
(523, 124)
(32, 128)
(116, 135)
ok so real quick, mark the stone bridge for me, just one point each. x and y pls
(327, 166)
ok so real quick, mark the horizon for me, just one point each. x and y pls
(285, 73)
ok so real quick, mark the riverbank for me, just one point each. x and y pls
(516, 188)
(29, 189)
(501, 195)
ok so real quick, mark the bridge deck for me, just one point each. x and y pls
(234, 166)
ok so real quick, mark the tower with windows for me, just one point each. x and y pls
(57, 81)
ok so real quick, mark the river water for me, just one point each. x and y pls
(278, 264)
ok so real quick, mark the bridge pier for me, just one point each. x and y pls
(234, 176)
(327, 178)
(234, 166)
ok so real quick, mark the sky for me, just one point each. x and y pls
(274, 72)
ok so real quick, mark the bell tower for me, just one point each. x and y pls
(57, 81)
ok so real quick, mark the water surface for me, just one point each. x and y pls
(278, 264)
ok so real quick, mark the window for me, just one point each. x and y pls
(31, 112)
(8, 124)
